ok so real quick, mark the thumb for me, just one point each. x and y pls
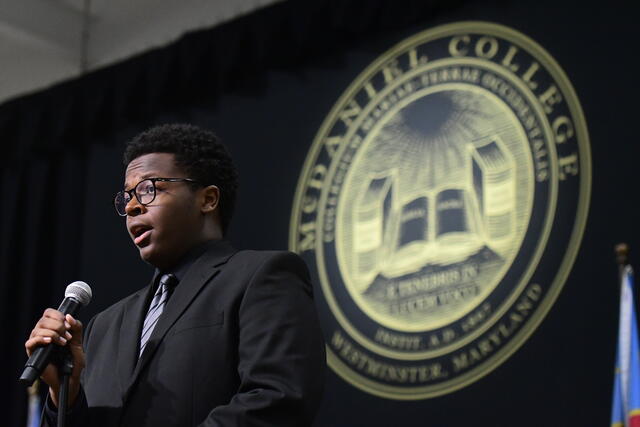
(75, 344)
(75, 329)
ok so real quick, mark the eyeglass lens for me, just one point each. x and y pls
(145, 192)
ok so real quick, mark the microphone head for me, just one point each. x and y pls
(79, 291)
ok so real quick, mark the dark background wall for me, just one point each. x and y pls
(264, 83)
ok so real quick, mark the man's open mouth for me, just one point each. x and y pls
(140, 233)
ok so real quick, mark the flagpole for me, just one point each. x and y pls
(622, 257)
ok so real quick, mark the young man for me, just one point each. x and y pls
(220, 337)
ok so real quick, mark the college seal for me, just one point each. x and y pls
(441, 207)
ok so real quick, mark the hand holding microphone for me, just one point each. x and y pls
(58, 327)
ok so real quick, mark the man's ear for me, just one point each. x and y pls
(210, 199)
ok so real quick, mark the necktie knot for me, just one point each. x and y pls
(168, 281)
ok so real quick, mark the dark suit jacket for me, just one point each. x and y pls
(238, 344)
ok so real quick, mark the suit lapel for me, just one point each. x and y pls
(203, 270)
(134, 313)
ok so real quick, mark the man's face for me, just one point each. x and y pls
(170, 225)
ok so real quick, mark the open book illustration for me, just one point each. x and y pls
(397, 234)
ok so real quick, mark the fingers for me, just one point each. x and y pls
(50, 335)
(75, 328)
(53, 314)
(74, 324)
(44, 337)
(51, 324)
(34, 342)
(54, 327)
(53, 330)
(57, 328)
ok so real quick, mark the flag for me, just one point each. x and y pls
(625, 411)
(35, 406)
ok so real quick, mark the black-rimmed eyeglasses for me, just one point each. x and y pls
(144, 191)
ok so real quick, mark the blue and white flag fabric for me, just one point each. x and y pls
(34, 411)
(626, 389)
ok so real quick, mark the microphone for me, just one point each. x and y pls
(77, 294)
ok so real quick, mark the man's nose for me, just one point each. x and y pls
(134, 208)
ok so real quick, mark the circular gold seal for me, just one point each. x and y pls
(441, 207)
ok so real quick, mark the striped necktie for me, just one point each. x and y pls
(166, 285)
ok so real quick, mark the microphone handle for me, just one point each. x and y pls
(39, 359)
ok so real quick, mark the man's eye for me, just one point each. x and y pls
(147, 189)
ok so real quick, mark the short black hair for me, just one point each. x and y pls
(201, 155)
